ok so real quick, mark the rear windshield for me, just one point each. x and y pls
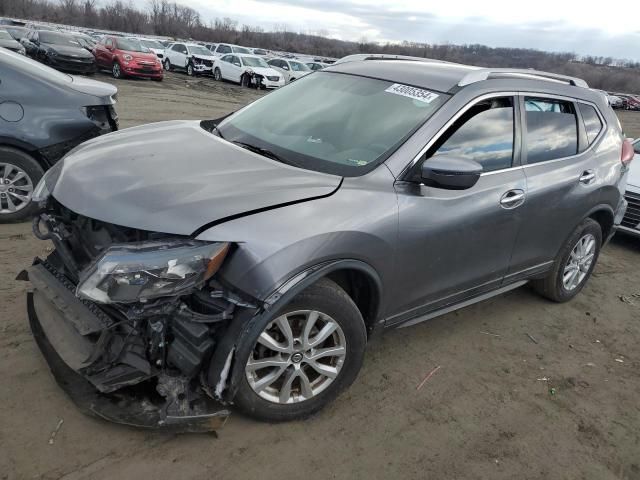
(240, 50)
(332, 122)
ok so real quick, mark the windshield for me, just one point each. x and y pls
(240, 50)
(298, 67)
(254, 62)
(4, 35)
(198, 50)
(131, 45)
(17, 32)
(332, 122)
(152, 44)
(58, 39)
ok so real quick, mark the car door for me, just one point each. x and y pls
(457, 244)
(104, 52)
(562, 176)
(225, 68)
(235, 68)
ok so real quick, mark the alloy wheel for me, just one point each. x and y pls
(190, 70)
(579, 262)
(296, 357)
(16, 188)
(167, 65)
(217, 75)
(116, 70)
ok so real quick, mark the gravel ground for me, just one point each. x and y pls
(501, 405)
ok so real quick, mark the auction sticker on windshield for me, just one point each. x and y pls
(412, 92)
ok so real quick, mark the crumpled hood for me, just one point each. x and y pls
(175, 177)
(270, 72)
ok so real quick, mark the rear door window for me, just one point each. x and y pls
(551, 129)
(592, 123)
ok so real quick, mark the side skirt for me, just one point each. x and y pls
(466, 303)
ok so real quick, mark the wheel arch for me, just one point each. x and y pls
(604, 215)
(27, 149)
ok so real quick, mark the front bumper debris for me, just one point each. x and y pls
(67, 330)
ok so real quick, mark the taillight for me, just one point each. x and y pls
(627, 152)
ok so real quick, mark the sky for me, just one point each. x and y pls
(610, 28)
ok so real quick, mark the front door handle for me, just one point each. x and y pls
(512, 198)
(587, 177)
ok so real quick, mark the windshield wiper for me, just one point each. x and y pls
(265, 153)
(215, 128)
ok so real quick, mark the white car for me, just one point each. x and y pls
(631, 221)
(226, 48)
(188, 57)
(247, 70)
(316, 65)
(154, 45)
(290, 69)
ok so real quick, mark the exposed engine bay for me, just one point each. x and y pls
(146, 314)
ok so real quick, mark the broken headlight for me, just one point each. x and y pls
(129, 273)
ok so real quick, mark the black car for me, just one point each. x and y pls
(43, 115)
(8, 42)
(61, 51)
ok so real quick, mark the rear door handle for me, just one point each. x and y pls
(512, 198)
(587, 177)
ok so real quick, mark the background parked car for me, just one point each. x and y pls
(8, 42)
(247, 70)
(260, 51)
(16, 32)
(59, 50)
(290, 69)
(46, 113)
(315, 66)
(226, 48)
(155, 46)
(631, 221)
(210, 46)
(127, 57)
(85, 41)
(189, 57)
(615, 101)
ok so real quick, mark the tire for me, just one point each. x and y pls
(333, 305)
(190, 71)
(217, 74)
(244, 81)
(116, 70)
(12, 162)
(167, 65)
(553, 286)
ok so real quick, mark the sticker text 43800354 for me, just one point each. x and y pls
(412, 92)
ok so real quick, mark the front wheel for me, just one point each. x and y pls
(574, 263)
(190, 69)
(19, 173)
(217, 75)
(301, 360)
(116, 71)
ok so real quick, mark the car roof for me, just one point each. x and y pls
(451, 77)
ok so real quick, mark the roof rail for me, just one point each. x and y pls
(486, 73)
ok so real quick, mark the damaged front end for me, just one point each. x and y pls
(131, 322)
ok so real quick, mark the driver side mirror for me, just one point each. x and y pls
(450, 172)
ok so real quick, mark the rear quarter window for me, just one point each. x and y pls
(592, 123)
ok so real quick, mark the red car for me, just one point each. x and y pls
(127, 57)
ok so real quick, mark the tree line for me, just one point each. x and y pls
(170, 19)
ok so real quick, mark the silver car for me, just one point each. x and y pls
(250, 260)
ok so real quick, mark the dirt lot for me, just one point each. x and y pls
(502, 406)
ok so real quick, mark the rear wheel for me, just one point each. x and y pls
(304, 358)
(574, 263)
(19, 173)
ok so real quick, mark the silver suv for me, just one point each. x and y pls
(250, 260)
